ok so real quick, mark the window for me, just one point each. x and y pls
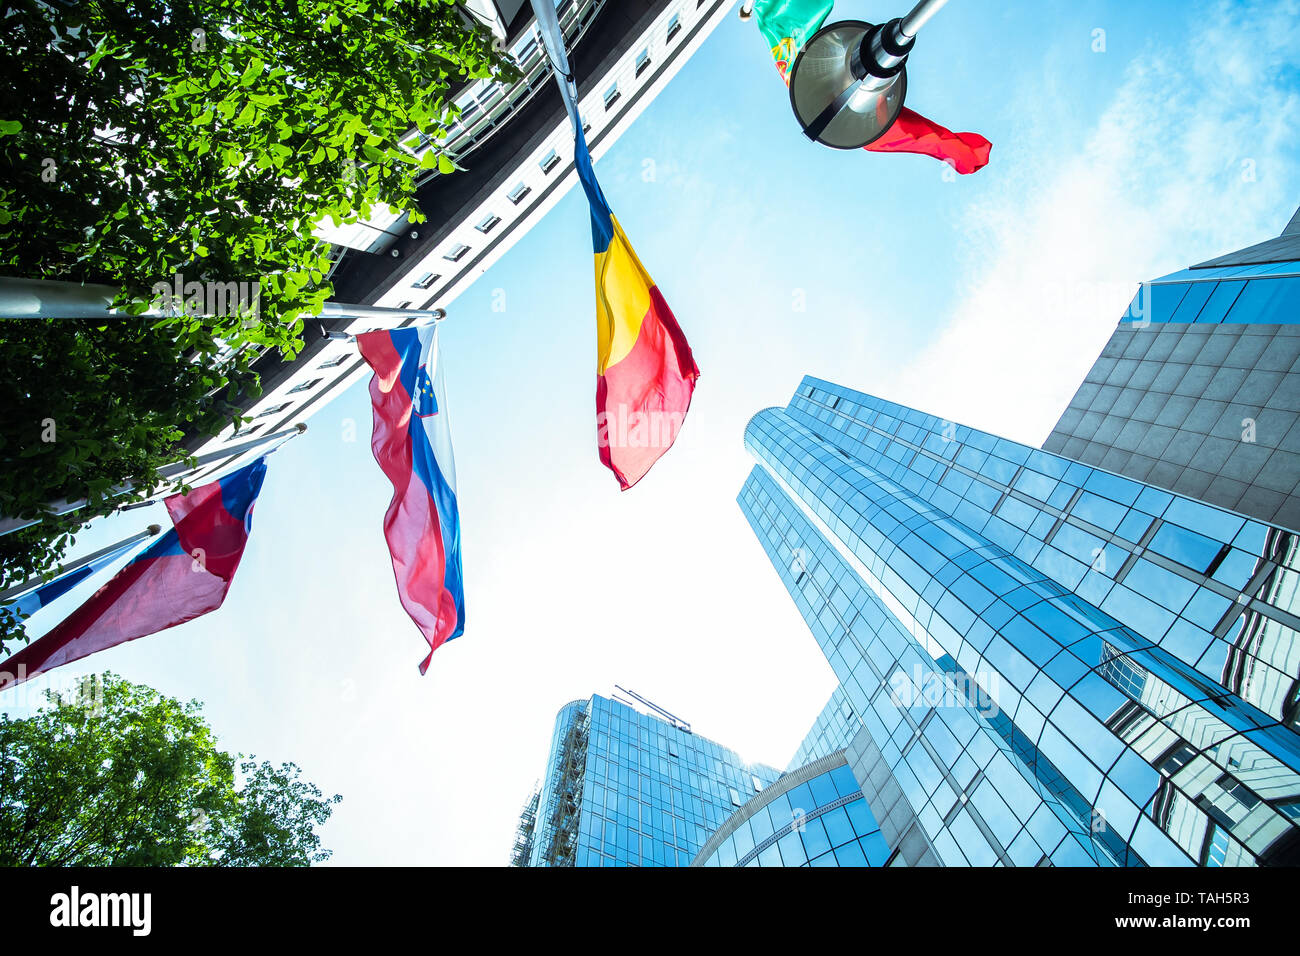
(275, 409)
(1216, 846)
(426, 280)
(527, 51)
(1291, 809)
(304, 386)
(244, 432)
(758, 784)
(1186, 547)
(488, 223)
(674, 27)
(1176, 759)
(549, 161)
(735, 797)
(335, 362)
(517, 194)
(1237, 790)
(611, 96)
(642, 62)
(456, 253)
(404, 305)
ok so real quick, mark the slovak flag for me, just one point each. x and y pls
(184, 574)
(412, 443)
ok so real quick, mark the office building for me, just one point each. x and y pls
(1040, 662)
(631, 787)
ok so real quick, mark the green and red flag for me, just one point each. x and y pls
(787, 26)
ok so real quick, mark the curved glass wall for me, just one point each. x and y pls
(804, 819)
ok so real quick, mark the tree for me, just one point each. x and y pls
(161, 142)
(120, 775)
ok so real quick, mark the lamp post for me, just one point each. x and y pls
(849, 81)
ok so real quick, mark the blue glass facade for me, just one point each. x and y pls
(1051, 664)
(624, 788)
(1267, 293)
(834, 728)
(813, 817)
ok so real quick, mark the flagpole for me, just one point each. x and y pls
(435, 316)
(64, 506)
(920, 16)
(60, 299)
(18, 590)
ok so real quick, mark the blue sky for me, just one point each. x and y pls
(982, 298)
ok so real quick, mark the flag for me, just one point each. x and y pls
(645, 372)
(788, 24)
(913, 133)
(184, 574)
(412, 443)
(45, 594)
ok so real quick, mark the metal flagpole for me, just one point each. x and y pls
(920, 16)
(56, 299)
(553, 41)
(18, 590)
(63, 507)
(435, 316)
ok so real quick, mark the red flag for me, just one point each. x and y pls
(184, 574)
(913, 133)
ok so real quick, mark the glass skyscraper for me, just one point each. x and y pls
(1040, 662)
(1086, 654)
(626, 788)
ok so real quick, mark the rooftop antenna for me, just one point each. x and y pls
(671, 718)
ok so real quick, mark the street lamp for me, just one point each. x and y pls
(848, 84)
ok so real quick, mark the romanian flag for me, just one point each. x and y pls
(182, 575)
(788, 24)
(645, 372)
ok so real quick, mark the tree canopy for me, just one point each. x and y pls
(155, 141)
(120, 775)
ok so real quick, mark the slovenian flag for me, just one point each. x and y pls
(412, 443)
(789, 24)
(184, 574)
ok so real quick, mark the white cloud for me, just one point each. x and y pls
(1193, 157)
